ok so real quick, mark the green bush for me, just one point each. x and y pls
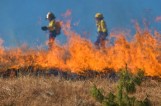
(97, 94)
(126, 85)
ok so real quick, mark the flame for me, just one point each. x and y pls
(158, 19)
(1, 46)
(79, 54)
(67, 13)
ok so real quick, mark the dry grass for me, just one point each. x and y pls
(54, 91)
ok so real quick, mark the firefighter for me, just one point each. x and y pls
(101, 30)
(51, 28)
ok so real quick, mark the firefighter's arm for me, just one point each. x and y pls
(103, 26)
(98, 26)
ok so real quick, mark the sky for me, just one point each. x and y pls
(21, 20)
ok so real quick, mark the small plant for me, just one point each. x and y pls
(126, 85)
(97, 94)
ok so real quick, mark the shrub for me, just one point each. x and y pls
(126, 85)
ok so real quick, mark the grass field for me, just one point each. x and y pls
(55, 91)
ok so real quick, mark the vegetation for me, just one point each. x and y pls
(126, 86)
(56, 91)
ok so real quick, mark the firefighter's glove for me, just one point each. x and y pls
(44, 28)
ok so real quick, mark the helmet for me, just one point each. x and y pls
(99, 15)
(50, 15)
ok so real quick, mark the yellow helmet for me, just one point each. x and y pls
(99, 15)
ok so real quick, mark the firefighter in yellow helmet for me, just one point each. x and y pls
(101, 30)
(51, 28)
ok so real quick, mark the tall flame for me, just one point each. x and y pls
(79, 54)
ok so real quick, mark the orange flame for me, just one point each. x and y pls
(1, 46)
(79, 54)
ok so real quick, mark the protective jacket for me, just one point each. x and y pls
(101, 26)
(51, 26)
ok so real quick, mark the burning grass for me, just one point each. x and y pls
(79, 54)
(40, 91)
